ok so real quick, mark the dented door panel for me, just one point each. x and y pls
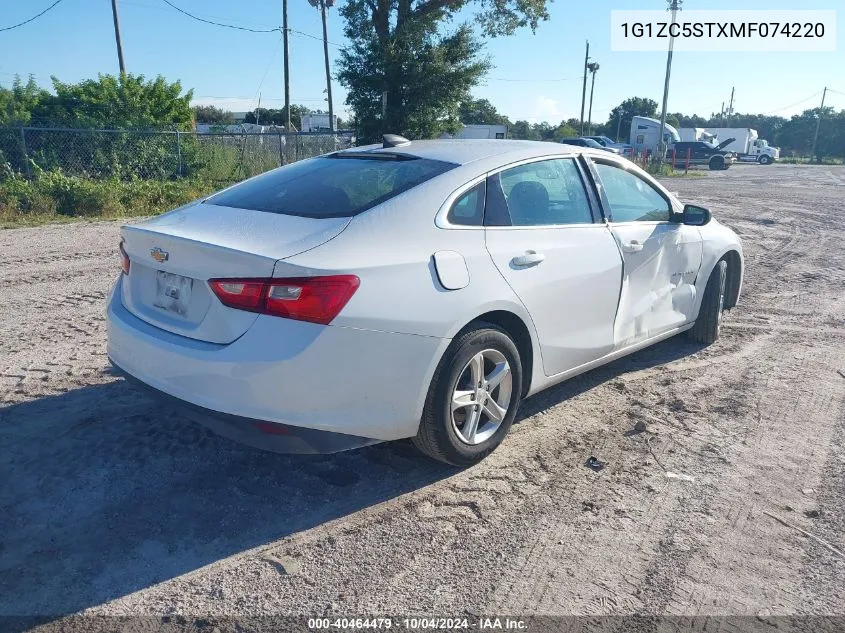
(658, 279)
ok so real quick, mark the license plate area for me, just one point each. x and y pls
(173, 292)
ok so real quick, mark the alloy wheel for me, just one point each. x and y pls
(481, 397)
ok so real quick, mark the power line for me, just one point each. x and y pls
(243, 28)
(267, 70)
(167, 9)
(34, 17)
(534, 80)
(313, 37)
(228, 26)
(253, 98)
(815, 94)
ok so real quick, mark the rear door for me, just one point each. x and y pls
(546, 240)
(661, 256)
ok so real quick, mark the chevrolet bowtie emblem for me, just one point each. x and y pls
(159, 255)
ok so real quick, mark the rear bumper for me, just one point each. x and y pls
(362, 383)
(269, 436)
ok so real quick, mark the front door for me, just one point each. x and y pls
(661, 257)
(561, 262)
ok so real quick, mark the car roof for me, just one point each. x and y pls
(465, 151)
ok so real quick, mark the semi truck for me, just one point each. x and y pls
(480, 131)
(747, 147)
(696, 134)
(645, 134)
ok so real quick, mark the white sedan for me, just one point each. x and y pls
(411, 290)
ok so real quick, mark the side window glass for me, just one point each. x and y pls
(630, 197)
(468, 209)
(548, 192)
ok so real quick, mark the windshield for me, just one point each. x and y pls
(335, 186)
(591, 143)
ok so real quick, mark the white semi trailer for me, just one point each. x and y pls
(482, 131)
(695, 134)
(746, 145)
(645, 134)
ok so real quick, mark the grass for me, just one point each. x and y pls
(54, 197)
(803, 160)
(666, 170)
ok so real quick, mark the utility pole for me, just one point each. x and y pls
(117, 37)
(584, 87)
(285, 63)
(593, 68)
(731, 105)
(618, 126)
(323, 4)
(722, 113)
(674, 7)
(818, 124)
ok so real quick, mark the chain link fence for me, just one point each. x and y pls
(158, 155)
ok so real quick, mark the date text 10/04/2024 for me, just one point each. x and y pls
(419, 624)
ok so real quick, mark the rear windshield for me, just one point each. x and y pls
(334, 186)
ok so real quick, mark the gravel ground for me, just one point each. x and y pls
(112, 505)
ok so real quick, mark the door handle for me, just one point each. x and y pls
(632, 247)
(530, 258)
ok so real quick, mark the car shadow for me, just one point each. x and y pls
(106, 492)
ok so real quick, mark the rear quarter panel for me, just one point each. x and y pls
(391, 249)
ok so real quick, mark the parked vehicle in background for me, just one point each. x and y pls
(702, 153)
(746, 145)
(604, 141)
(411, 290)
(583, 141)
(317, 122)
(480, 131)
(696, 134)
(645, 134)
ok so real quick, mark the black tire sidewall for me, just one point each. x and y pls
(454, 361)
(717, 163)
(715, 286)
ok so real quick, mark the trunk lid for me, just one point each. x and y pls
(174, 255)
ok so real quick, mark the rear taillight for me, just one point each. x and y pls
(313, 299)
(124, 259)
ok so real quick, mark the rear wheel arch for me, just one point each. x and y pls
(517, 329)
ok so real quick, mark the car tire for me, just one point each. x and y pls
(717, 162)
(709, 321)
(443, 430)
(765, 160)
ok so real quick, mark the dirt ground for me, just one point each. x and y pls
(110, 504)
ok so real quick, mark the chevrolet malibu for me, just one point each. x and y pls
(411, 290)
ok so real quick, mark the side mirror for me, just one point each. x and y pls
(695, 216)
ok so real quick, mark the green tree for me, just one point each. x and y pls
(523, 130)
(564, 130)
(271, 116)
(213, 115)
(796, 135)
(481, 112)
(18, 103)
(620, 117)
(400, 48)
(125, 102)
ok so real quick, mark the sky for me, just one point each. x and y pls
(536, 76)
